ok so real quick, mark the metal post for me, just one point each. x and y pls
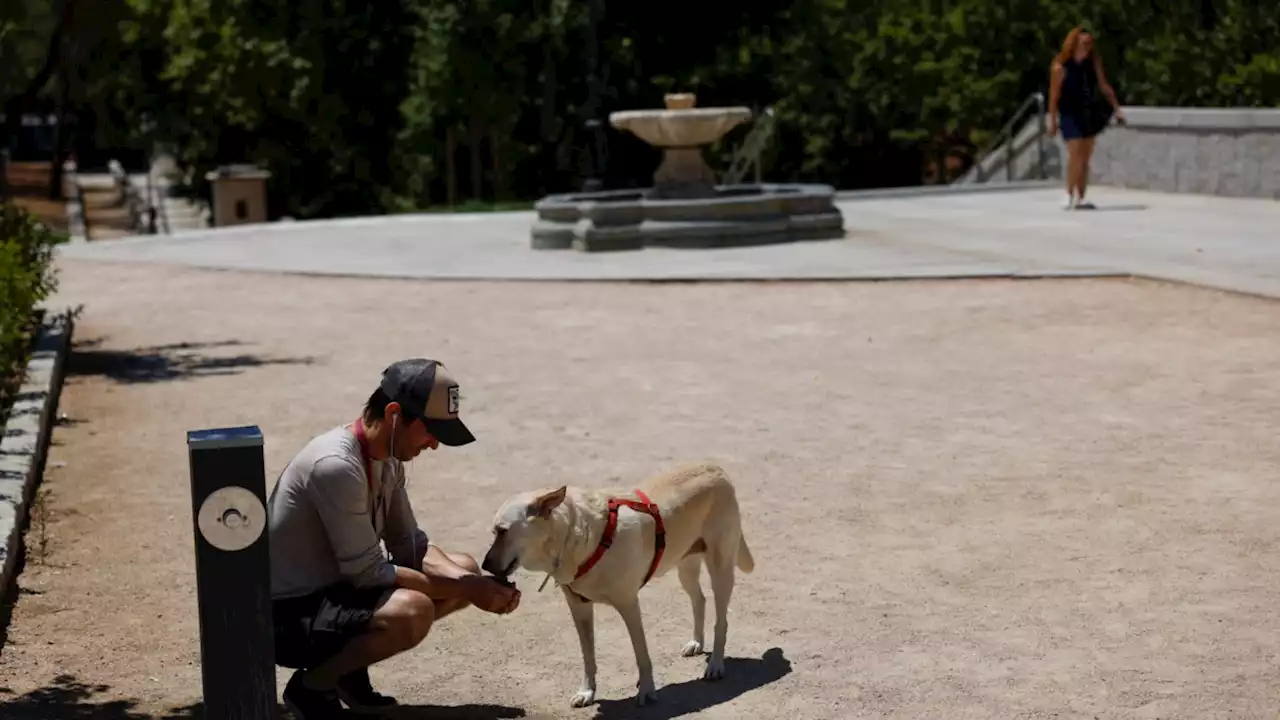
(595, 97)
(595, 157)
(233, 578)
(1008, 155)
(1040, 113)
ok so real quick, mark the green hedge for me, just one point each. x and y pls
(27, 277)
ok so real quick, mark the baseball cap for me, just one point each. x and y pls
(426, 390)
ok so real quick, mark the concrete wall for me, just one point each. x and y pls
(1215, 151)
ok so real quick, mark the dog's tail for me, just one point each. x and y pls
(746, 563)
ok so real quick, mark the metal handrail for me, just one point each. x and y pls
(1007, 135)
(748, 154)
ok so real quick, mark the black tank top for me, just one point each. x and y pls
(1079, 86)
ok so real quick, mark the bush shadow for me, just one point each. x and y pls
(741, 675)
(175, 361)
(68, 698)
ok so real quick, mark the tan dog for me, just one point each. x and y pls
(560, 532)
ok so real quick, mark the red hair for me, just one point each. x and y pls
(1069, 44)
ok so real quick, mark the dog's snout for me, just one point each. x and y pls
(492, 563)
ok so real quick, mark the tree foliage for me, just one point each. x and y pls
(361, 107)
(27, 277)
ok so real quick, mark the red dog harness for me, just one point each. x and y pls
(611, 526)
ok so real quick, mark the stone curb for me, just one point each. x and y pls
(26, 436)
(915, 191)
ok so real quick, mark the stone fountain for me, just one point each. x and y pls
(681, 131)
(686, 207)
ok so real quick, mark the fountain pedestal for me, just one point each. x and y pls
(683, 174)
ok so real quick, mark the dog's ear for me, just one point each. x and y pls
(548, 501)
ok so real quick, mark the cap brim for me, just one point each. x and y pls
(450, 432)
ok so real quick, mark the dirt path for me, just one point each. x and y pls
(965, 499)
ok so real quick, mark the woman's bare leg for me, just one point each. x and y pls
(1073, 168)
(1086, 155)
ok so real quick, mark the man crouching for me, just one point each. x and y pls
(340, 603)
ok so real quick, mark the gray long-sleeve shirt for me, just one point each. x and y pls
(321, 514)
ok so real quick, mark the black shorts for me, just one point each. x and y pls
(1086, 123)
(312, 628)
(1073, 128)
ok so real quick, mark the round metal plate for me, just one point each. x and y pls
(231, 518)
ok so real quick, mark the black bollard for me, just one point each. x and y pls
(233, 576)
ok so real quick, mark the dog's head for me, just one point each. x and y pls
(521, 527)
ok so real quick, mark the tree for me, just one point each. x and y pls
(31, 44)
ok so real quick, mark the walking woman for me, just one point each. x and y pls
(1075, 82)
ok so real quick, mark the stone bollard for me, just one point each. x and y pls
(239, 194)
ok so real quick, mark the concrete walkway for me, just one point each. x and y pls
(1220, 242)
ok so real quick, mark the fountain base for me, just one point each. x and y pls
(730, 216)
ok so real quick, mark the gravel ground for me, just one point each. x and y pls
(966, 499)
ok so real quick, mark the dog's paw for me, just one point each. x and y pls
(715, 669)
(646, 695)
(583, 698)
(691, 648)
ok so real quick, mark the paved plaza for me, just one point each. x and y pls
(1227, 243)
(967, 498)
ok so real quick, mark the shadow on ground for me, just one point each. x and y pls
(1117, 208)
(67, 698)
(176, 361)
(741, 675)
(464, 712)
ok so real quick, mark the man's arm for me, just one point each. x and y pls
(406, 541)
(341, 497)
(419, 565)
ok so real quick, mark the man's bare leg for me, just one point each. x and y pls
(398, 624)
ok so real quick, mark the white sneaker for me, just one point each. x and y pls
(1070, 203)
(1085, 205)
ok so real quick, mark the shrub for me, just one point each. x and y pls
(27, 277)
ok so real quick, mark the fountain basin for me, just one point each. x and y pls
(681, 131)
(680, 128)
(731, 216)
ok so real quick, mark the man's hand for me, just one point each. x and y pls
(1053, 126)
(491, 595)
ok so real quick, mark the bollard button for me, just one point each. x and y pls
(231, 518)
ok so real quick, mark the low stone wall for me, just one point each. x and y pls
(1214, 151)
(25, 439)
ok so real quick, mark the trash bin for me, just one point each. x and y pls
(239, 194)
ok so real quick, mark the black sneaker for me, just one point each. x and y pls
(308, 704)
(357, 692)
